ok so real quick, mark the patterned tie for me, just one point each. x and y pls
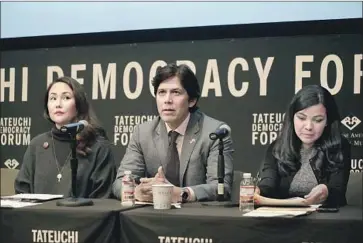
(173, 163)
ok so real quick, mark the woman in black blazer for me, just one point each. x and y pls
(310, 158)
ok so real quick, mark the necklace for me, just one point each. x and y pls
(59, 175)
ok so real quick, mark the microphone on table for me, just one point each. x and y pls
(73, 129)
(219, 134)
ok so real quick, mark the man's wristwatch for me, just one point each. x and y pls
(184, 195)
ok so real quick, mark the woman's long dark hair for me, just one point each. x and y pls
(84, 112)
(287, 146)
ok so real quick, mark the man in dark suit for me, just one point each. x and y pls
(175, 147)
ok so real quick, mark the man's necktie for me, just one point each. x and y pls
(172, 159)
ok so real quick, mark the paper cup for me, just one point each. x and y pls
(162, 196)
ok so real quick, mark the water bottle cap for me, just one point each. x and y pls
(127, 172)
(247, 175)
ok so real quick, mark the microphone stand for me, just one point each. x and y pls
(74, 201)
(221, 202)
(220, 172)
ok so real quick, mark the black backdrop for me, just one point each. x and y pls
(248, 74)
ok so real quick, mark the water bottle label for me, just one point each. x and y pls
(127, 192)
(220, 188)
(247, 190)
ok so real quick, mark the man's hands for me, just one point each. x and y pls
(143, 191)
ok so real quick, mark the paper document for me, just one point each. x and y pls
(32, 197)
(15, 204)
(286, 212)
(278, 213)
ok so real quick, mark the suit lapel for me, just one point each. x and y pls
(161, 142)
(190, 139)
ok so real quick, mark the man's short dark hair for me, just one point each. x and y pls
(187, 79)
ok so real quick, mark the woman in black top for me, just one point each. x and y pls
(46, 162)
(310, 158)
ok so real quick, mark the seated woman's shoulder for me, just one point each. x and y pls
(102, 141)
(41, 138)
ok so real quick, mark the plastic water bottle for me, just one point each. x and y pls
(247, 190)
(127, 190)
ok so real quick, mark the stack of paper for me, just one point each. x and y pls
(15, 204)
(26, 199)
(33, 197)
(286, 212)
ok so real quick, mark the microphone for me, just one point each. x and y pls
(220, 133)
(74, 127)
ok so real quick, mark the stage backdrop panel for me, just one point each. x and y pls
(245, 82)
